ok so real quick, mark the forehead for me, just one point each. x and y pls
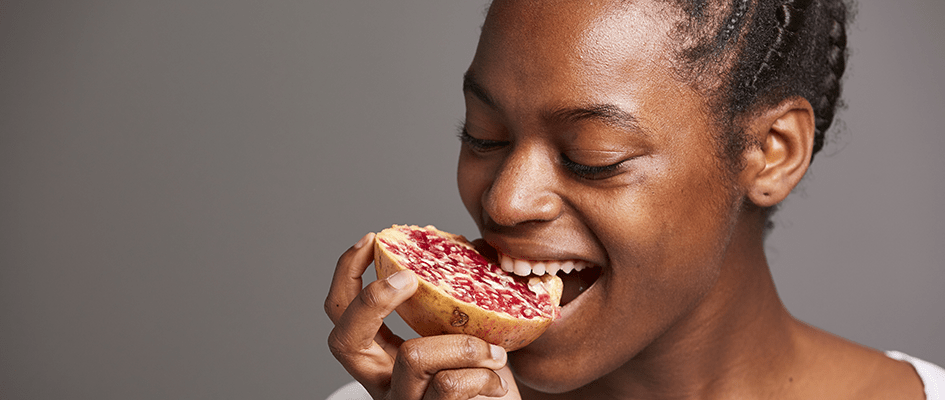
(602, 29)
(575, 48)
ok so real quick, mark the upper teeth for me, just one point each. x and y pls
(525, 267)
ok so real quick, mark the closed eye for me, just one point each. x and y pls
(591, 172)
(480, 145)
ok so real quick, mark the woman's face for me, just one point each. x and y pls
(580, 145)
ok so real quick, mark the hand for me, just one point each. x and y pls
(434, 367)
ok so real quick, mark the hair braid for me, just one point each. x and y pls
(826, 104)
(751, 54)
(790, 17)
(740, 9)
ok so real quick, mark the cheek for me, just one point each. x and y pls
(669, 232)
(691, 226)
(472, 179)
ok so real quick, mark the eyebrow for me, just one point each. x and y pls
(608, 114)
(471, 86)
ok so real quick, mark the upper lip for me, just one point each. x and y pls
(532, 250)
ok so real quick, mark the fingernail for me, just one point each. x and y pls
(498, 353)
(399, 280)
(363, 240)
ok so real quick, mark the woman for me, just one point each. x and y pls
(652, 140)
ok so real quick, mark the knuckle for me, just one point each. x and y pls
(448, 384)
(341, 345)
(471, 348)
(370, 296)
(336, 345)
(410, 358)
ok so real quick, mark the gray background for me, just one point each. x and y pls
(178, 177)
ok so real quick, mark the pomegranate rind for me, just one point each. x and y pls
(433, 311)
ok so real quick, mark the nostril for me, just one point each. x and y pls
(525, 205)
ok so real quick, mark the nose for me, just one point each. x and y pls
(523, 189)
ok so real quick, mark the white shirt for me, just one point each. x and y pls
(933, 377)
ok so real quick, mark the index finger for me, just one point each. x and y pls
(353, 340)
(346, 282)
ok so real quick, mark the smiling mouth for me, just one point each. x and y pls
(577, 275)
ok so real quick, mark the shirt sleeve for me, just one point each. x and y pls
(351, 391)
(933, 376)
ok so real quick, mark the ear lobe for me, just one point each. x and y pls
(784, 137)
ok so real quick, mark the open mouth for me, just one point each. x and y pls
(576, 275)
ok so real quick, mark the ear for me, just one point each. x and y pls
(782, 140)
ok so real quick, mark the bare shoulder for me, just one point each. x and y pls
(847, 370)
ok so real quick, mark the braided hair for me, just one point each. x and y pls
(756, 53)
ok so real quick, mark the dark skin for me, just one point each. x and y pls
(582, 144)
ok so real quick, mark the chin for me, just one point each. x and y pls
(546, 373)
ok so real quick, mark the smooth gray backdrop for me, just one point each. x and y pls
(178, 177)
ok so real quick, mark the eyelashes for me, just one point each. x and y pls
(591, 172)
(582, 171)
(480, 145)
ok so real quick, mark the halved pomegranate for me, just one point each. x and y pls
(461, 291)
